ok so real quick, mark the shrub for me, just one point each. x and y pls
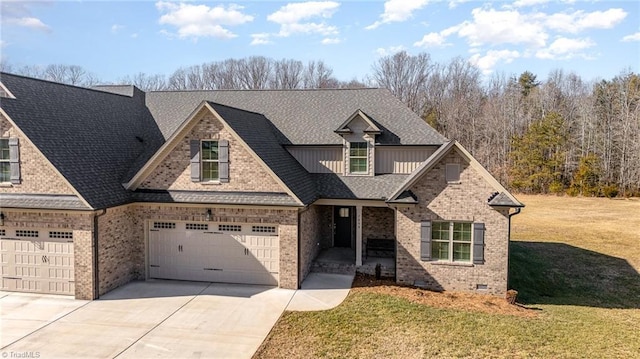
(610, 191)
(573, 191)
(556, 187)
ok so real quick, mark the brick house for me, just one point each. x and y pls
(102, 186)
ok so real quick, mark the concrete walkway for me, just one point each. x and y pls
(159, 319)
(321, 291)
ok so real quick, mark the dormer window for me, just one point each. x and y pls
(358, 157)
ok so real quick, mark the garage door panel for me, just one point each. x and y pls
(42, 265)
(206, 252)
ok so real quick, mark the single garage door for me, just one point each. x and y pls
(214, 252)
(39, 261)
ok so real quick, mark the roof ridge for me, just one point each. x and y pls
(64, 84)
(271, 90)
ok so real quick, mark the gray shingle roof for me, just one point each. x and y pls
(88, 135)
(379, 187)
(303, 116)
(44, 201)
(260, 135)
(99, 139)
(249, 198)
(502, 200)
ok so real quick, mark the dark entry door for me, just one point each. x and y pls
(343, 221)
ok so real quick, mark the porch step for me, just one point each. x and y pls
(333, 268)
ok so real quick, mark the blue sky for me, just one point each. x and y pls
(595, 39)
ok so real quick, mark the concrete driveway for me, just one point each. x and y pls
(157, 318)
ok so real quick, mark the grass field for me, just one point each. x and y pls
(574, 261)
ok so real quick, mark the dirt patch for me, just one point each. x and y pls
(453, 300)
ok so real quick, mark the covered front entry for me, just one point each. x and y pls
(343, 218)
(214, 252)
(37, 260)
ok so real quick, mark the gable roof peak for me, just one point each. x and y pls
(371, 129)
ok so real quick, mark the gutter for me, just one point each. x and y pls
(96, 274)
(518, 209)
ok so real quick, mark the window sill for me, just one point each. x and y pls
(211, 183)
(6, 185)
(454, 182)
(455, 264)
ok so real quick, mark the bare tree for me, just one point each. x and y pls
(288, 74)
(405, 76)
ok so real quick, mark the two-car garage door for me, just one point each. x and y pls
(214, 252)
(39, 261)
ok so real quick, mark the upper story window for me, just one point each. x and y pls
(5, 164)
(358, 157)
(210, 161)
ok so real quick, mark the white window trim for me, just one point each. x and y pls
(450, 260)
(7, 183)
(366, 157)
(202, 161)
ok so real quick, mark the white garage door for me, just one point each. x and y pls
(214, 252)
(39, 261)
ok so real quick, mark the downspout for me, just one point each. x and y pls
(96, 274)
(518, 209)
(299, 250)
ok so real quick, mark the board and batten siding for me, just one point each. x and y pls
(388, 159)
(319, 159)
(401, 159)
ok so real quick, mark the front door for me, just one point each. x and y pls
(343, 224)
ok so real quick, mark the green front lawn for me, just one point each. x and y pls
(575, 263)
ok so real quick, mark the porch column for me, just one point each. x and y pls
(358, 235)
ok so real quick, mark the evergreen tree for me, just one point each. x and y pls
(538, 156)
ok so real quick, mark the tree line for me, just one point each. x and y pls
(560, 135)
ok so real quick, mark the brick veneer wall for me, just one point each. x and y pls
(81, 223)
(245, 172)
(466, 201)
(121, 255)
(315, 228)
(37, 174)
(377, 222)
(287, 219)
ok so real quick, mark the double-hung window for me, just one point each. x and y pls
(210, 161)
(451, 241)
(358, 157)
(5, 161)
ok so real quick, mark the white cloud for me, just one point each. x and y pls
(489, 61)
(389, 51)
(260, 39)
(579, 20)
(632, 37)
(331, 41)
(17, 13)
(496, 27)
(296, 18)
(431, 40)
(398, 11)
(201, 20)
(115, 28)
(454, 3)
(134, 35)
(30, 23)
(524, 3)
(564, 49)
